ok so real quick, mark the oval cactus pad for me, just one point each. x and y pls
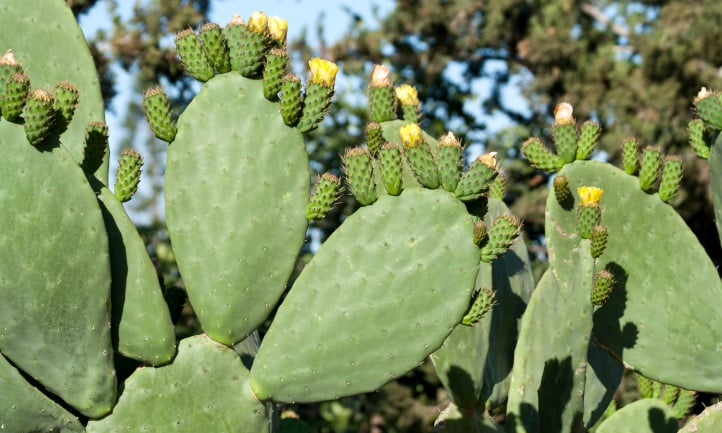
(379, 296)
(237, 183)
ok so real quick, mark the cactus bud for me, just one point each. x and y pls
(497, 187)
(128, 175)
(258, 23)
(709, 108)
(391, 169)
(502, 233)
(359, 175)
(562, 192)
(374, 137)
(449, 161)
(671, 177)
(651, 158)
(291, 100)
(9, 65)
(13, 94)
(215, 47)
(382, 103)
(38, 115)
(483, 303)
(475, 181)
(564, 132)
(540, 156)
(599, 240)
(319, 91)
(480, 233)
(418, 155)
(96, 144)
(278, 28)
(589, 214)
(695, 132)
(157, 111)
(277, 61)
(193, 56)
(409, 99)
(603, 283)
(630, 149)
(324, 197)
(588, 139)
(65, 103)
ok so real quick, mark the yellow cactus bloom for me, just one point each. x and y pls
(589, 195)
(258, 22)
(563, 114)
(380, 76)
(411, 135)
(407, 95)
(489, 159)
(323, 72)
(278, 28)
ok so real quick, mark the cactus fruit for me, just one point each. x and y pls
(649, 167)
(194, 58)
(449, 161)
(127, 177)
(709, 108)
(540, 156)
(589, 214)
(564, 131)
(695, 132)
(603, 283)
(475, 181)
(599, 237)
(408, 98)
(497, 187)
(588, 139)
(391, 168)
(64, 104)
(630, 149)
(319, 91)
(501, 234)
(96, 146)
(671, 177)
(382, 101)
(418, 155)
(291, 99)
(14, 94)
(277, 61)
(481, 305)
(374, 137)
(157, 112)
(215, 47)
(325, 196)
(38, 115)
(359, 175)
(562, 192)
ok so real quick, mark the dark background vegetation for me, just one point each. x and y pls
(633, 66)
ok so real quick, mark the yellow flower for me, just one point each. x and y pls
(323, 72)
(407, 95)
(258, 22)
(563, 114)
(278, 27)
(489, 159)
(380, 76)
(411, 135)
(589, 195)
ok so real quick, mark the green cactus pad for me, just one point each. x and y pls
(391, 134)
(475, 181)
(64, 104)
(381, 294)
(236, 191)
(502, 232)
(475, 363)
(562, 191)
(421, 160)
(645, 233)
(63, 55)
(23, 408)
(483, 302)
(38, 115)
(55, 284)
(709, 109)
(643, 416)
(497, 187)
(205, 389)
(599, 237)
(715, 168)
(96, 146)
(141, 323)
(686, 400)
(215, 47)
(649, 167)
(708, 421)
(194, 58)
(247, 48)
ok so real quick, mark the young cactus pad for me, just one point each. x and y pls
(237, 183)
(644, 234)
(648, 415)
(396, 277)
(62, 55)
(205, 389)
